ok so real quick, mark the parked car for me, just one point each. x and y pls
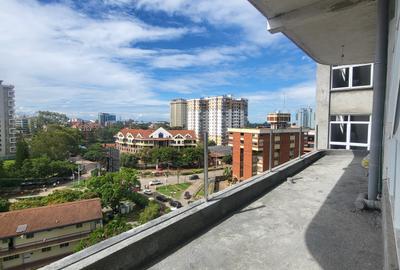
(155, 182)
(187, 195)
(175, 204)
(194, 177)
(162, 198)
(148, 191)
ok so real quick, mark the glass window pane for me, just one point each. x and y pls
(338, 146)
(340, 77)
(359, 133)
(339, 118)
(359, 118)
(338, 132)
(362, 75)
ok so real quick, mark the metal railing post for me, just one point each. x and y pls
(270, 150)
(205, 143)
(300, 139)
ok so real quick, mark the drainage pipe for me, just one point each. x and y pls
(378, 104)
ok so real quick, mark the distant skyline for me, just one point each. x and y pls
(131, 57)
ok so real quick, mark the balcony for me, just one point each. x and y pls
(300, 216)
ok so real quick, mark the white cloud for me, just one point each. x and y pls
(53, 54)
(238, 13)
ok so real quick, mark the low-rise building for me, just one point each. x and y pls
(87, 128)
(278, 120)
(33, 237)
(134, 140)
(250, 149)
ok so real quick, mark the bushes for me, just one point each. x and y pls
(4, 205)
(152, 211)
(58, 196)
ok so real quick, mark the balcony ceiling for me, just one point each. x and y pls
(329, 31)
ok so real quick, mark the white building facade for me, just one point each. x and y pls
(7, 121)
(215, 115)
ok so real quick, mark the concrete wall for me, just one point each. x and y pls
(322, 105)
(351, 102)
(391, 140)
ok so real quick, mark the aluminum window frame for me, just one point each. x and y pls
(350, 86)
(348, 144)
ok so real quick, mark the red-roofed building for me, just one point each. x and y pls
(33, 237)
(134, 140)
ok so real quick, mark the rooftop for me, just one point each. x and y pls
(308, 222)
(24, 221)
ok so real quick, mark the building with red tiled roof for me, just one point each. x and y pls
(32, 237)
(134, 140)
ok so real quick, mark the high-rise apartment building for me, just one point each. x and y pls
(106, 119)
(215, 115)
(178, 114)
(7, 122)
(305, 117)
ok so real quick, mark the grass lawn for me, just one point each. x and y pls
(174, 191)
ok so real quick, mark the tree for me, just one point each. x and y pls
(211, 143)
(46, 118)
(55, 142)
(151, 212)
(128, 160)
(22, 153)
(192, 156)
(145, 155)
(2, 171)
(227, 159)
(95, 152)
(116, 226)
(112, 188)
(4, 205)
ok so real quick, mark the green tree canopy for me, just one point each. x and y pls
(112, 188)
(45, 118)
(128, 160)
(22, 153)
(55, 142)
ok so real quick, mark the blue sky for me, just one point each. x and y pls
(130, 57)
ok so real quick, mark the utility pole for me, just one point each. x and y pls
(205, 165)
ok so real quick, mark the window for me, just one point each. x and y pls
(350, 132)
(352, 76)
(46, 249)
(64, 245)
(4, 241)
(29, 235)
(9, 258)
(79, 225)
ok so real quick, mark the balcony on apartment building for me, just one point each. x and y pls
(299, 216)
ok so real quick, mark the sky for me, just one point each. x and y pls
(131, 57)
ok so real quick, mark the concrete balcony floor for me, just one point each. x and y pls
(308, 224)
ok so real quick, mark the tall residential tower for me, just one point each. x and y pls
(215, 115)
(178, 115)
(7, 121)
